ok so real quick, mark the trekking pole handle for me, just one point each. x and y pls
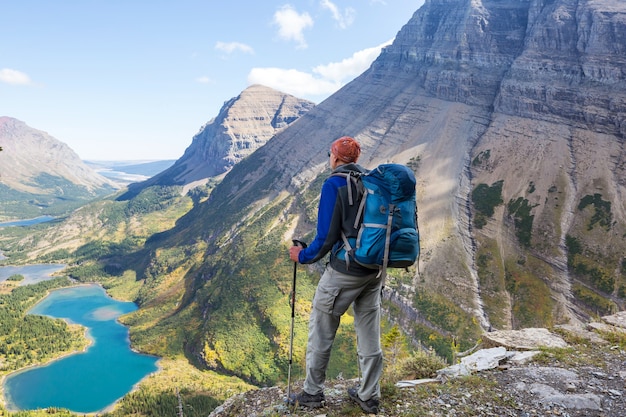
(297, 242)
(292, 296)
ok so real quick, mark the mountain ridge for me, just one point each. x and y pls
(42, 175)
(38, 151)
(244, 123)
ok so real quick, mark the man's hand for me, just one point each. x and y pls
(294, 251)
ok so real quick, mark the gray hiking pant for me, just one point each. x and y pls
(335, 293)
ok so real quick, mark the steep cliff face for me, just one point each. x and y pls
(556, 141)
(511, 113)
(244, 124)
(533, 107)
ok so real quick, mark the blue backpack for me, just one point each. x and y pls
(388, 234)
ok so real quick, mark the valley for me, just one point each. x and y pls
(204, 389)
(510, 114)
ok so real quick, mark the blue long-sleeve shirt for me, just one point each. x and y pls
(335, 215)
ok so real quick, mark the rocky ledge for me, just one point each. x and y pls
(570, 372)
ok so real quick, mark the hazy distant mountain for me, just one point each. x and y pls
(39, 172)
(126, 172)
(243, 125)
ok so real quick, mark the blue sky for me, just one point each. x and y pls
(136, 79)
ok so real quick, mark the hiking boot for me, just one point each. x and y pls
(304, 399)
(370, 406)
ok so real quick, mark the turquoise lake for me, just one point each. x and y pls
(88, 381)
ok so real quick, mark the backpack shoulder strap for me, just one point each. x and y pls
(352, 178)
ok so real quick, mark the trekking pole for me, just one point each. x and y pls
(292, 302)
(358, 360)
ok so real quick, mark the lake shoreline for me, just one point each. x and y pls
(5, 395)
(27, 222)
(3, 398)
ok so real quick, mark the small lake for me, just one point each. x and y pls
(89, 381)
(32, 273)
(28, 222)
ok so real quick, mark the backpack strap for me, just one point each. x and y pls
(359, 213)
(351, 178)
(383, 268)
(348, 249)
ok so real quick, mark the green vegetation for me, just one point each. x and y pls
(485, 199)
(564, 355)
(69, 196)
(152, 199)
(573, 247)
(530, 296)
(450, 318)
(398, 276)
(594, 303)
(490, 271)
(16, 277)
(165, 404)
(520, 211)
(414, 163)
(199, 392)
(615, 338)
(588, 267)
(602, 215)
(27, 339)
(600, 277)
(481, 158)
(416, 365)
(257, 297)
(479, 388)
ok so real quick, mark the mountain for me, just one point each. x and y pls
(243, 125)
(40, 174)
(510, 112)
(511, 115)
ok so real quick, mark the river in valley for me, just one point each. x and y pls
(88, 381)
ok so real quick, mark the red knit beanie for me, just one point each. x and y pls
(346, 149)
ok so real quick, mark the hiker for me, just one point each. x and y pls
(339, 287)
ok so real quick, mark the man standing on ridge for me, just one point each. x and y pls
(341, 285)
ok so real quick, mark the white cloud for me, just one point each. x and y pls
(230, 47)
(291, 24)
(343, 20)
(323, 80)
(11, 76)
(351, 67)
(204, 80)
(292, 81)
